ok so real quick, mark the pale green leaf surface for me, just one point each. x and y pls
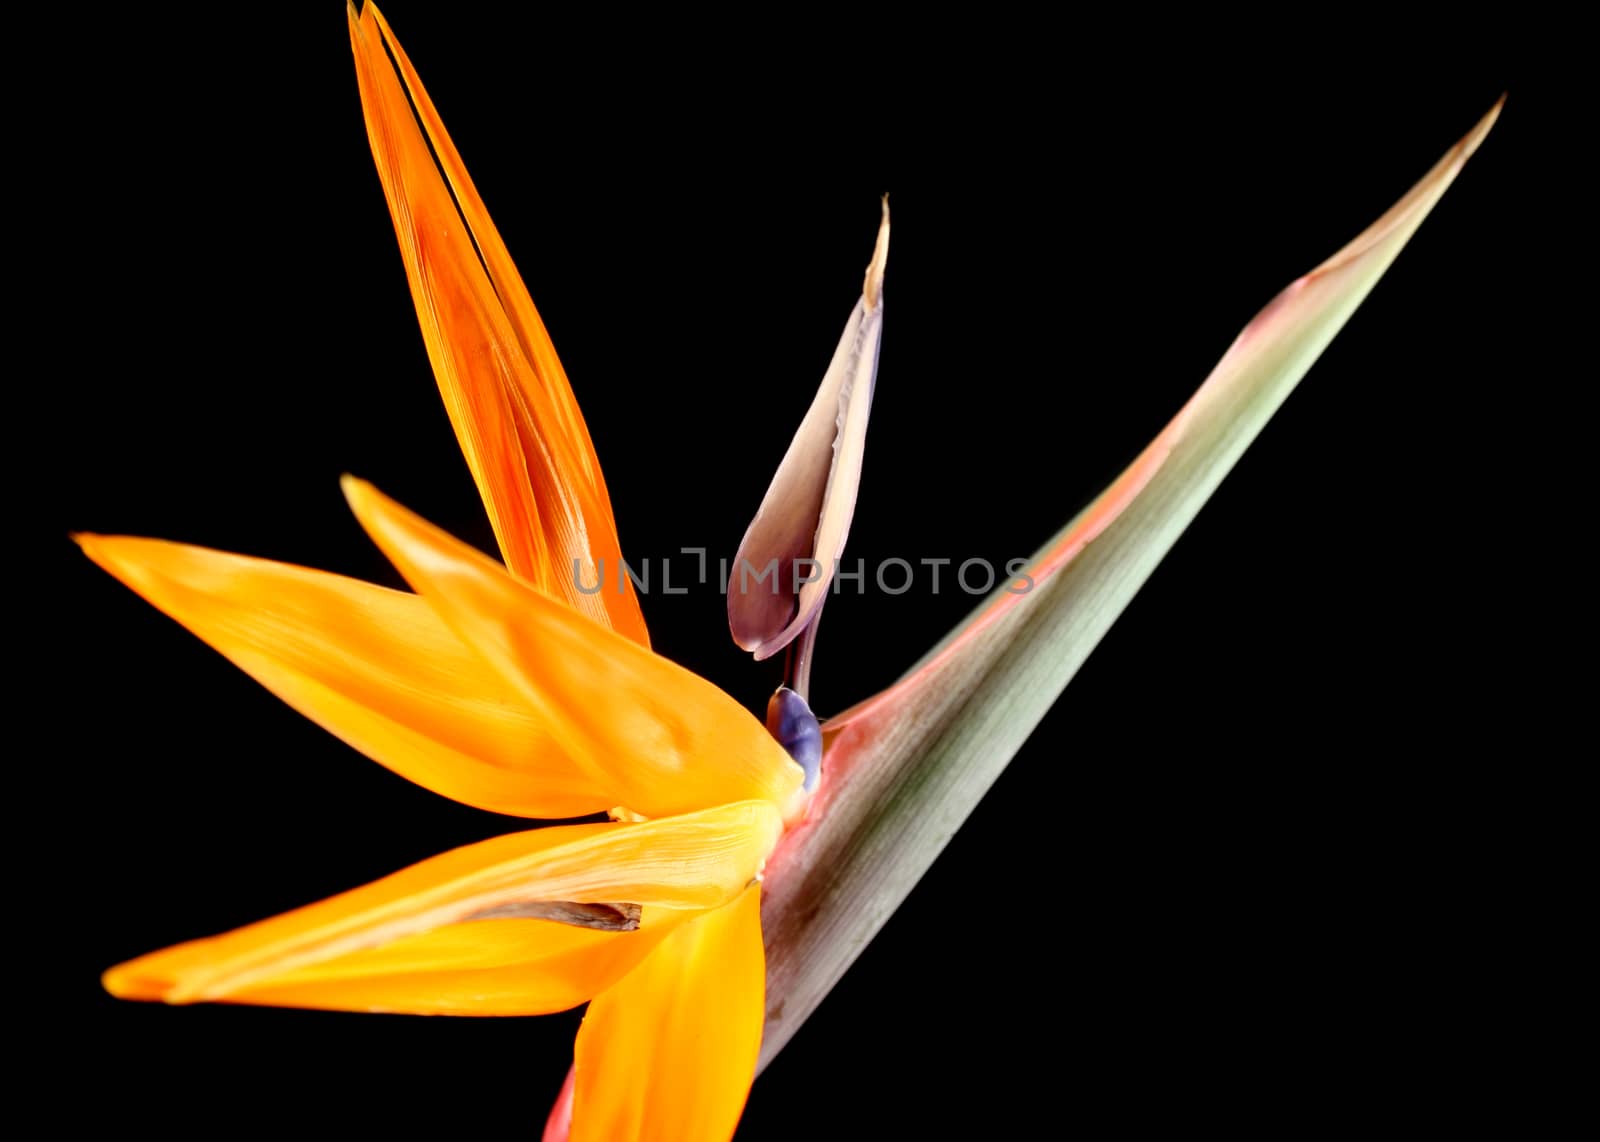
(903, 770)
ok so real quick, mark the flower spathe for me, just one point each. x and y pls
(505, 688)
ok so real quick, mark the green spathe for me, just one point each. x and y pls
(903, 770)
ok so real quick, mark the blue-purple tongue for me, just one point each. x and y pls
(794, 727)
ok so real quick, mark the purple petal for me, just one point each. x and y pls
(790, 552)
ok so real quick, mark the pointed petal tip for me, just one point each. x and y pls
(359, 495)
(130, 981)
(100, 551)
(108, 552)
(872, 287)
(1473, 139)
(362, 496)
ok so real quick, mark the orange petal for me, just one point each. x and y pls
(531, 334)
(376, 667)
(663, 738)
(506, 393)
(669, 1051)
(486, 967)
(372, 944)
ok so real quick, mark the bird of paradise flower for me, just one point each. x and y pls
(512, 689)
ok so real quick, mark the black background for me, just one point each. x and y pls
(1244, 862)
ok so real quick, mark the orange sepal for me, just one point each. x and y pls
(507, 395)
(669, 1051)
(376, 667)
(360, 947)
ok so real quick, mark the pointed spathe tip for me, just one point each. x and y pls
(1474, 138)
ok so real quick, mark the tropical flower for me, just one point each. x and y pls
(513, 689)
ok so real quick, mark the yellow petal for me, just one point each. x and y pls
(669, 1051)
(506, 393)
(376, 667)
(664, 738)
(692, 862)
